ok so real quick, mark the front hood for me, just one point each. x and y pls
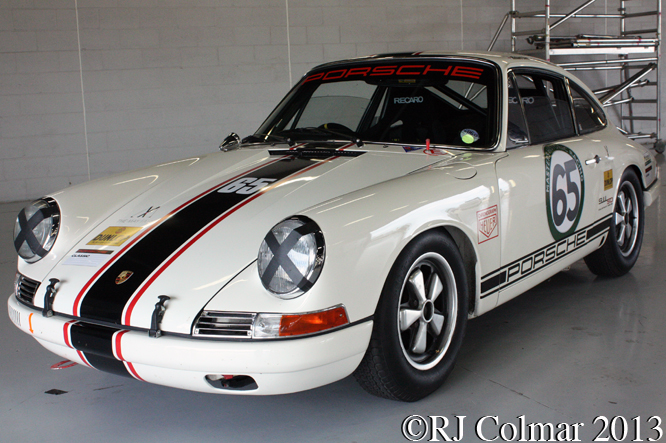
(186, 229)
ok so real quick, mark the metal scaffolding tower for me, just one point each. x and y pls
(629, 58)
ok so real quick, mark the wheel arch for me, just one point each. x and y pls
(638, 172)
(469, 256)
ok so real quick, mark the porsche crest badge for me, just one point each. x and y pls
(123, 277)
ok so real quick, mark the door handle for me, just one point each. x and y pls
(596, 159)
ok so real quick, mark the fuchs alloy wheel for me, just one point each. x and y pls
(428, 299)
(620, 251)
(419, 323)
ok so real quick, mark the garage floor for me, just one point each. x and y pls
(574, 348)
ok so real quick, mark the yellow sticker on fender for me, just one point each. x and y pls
(114, 236)
(608, 180)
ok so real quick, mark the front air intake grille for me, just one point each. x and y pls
(224, 325)
(25, 289)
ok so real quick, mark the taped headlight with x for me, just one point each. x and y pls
(36, 229)
(291, 257)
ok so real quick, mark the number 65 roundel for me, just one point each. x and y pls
(565, 190)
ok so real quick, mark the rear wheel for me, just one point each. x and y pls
(620, 250)
(419, 323)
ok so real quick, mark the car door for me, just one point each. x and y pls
(548, 183)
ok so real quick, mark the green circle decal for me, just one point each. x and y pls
(565, 190)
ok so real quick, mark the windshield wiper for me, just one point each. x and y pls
(263, 138)
(328, 132)
(315, 152)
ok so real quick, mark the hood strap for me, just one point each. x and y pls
(158, 314)
(49, 296)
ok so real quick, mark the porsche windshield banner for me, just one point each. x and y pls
(432, 70)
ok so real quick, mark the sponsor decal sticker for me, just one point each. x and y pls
(525, 100)
(605, 202)
(565, 190)
(88, 257)
(648, 159)
(246, 185)
(608, 180)
(469, 136)
(412, 148)
(114, 236)
(407, 100)
(486, 222)
(123, 277)
(649, 168)
(147, 213)
(536, 261)
(144, 216)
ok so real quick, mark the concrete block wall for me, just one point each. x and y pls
(165, 79)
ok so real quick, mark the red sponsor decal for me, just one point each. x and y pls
(406, 70)
(487, 224)
(410, 70)
(359, 71)
(466, 71)
(94, 251)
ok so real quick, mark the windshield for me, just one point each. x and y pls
(450, 102)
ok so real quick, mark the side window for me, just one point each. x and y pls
(517, 128)
(589, 116)
(546, 103)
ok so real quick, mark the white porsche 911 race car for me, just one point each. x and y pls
(385, 201)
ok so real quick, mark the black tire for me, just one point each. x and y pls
(401, 363)
(620, 250)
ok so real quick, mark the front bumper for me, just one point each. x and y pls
(277, 366)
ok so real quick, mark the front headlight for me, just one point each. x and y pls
(291, 257)
(36, 229)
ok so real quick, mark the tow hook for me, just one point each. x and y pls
(49, 297)
(158, 314)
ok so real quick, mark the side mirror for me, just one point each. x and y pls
(231, 142)
(516, 135)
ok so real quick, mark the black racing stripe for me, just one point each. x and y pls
(107, 365)
(592, 232)
(95, 342)
(92, 339)
(493, 282)
(601, 221)
(105, 300)
(490, 285)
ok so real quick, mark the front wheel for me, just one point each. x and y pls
(419, 323)
(620, 250)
